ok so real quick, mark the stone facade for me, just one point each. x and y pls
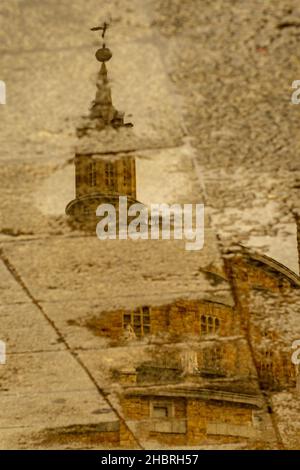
(184, 318)
(190, 420)
(139, 344)
(271, 351)
(206, 362)
(196, 366)
(100, 180)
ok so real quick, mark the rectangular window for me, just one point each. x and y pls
(212, 357)
(209, 325)
(139, 321)
(266, 369)
(266, 362)
(127, 319)
(162, 414)
(161, 410)
(126, 173)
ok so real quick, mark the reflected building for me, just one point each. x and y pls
(100, 178)
(198, 371)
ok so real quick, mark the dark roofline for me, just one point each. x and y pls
(253, 400)
(273, 265)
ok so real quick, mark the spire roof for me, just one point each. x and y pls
(102, 112)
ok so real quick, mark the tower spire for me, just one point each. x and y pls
(100, 178)
(102, 112)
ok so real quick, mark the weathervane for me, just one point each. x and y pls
(103, 54)
(101, 28)
(102, 111)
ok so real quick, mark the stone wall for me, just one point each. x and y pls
(192, 421)
(178, 320)
(260, 292)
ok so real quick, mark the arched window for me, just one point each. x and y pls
(203, 324)
(92, 174)
(109, 173)
(209, 325)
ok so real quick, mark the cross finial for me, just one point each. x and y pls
(102, 28)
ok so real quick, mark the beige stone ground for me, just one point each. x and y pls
(208, 88)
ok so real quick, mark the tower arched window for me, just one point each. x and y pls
(92, 174)
(109, 175)
(126, 173)
(266, 368)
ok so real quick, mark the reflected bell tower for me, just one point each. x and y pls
(100, 178)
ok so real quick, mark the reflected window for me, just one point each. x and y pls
(209, 324)
(161, 410)
(92, 174)
(109, 173)
(212, 357)
(139, 320)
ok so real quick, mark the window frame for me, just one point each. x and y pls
(212, 358)
(141, 328)
(109, 175)
(209, 324)
(92, 174)
(169, 405)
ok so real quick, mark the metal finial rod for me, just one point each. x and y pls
(101, 28)
(104, 54)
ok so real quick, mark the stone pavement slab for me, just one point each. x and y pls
(10, 290)
(58, 24)
(24, 329)
(116, 273)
